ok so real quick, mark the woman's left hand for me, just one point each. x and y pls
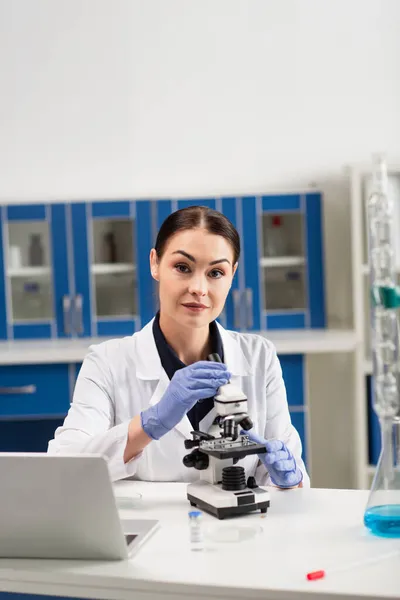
(279, 462)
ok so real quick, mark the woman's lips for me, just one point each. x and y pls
(195, 307)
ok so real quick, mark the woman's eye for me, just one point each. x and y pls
(182, 268)
(216, 274)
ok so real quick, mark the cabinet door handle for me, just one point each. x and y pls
(67, 314)
(236, 296)
(249, 308)
(14, 390)
(78, 312)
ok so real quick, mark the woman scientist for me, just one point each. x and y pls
(138, 398)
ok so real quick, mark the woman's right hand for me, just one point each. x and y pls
(188, 385)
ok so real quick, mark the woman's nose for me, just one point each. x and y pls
(198, 286)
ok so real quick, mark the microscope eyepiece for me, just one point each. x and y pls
(214, 357)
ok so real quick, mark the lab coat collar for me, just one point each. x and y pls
(149, 363)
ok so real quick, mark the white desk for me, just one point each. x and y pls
(304, 530)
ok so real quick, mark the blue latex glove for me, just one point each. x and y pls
(188, 385)
(279, 462)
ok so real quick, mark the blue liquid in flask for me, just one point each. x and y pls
(383, 520)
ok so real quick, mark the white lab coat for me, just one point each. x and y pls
(121, 377)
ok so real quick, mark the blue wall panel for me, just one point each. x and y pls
(293, 375)
(298, 421)
(81, 262)
(114, 209)
(229, 206)
(314, 257)
(31, 331)
(3, 312)
(209, 202)
(116, 327)
(374, 430)
(286, 321)
(60, 263)
(281, 203)
(251, 257)
(164, 208)
(26, 212)
(144, 244)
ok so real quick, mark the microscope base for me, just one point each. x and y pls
(223, 503)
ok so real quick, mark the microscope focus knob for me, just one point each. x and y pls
(202, 461)
(189, 460)
(196, 459)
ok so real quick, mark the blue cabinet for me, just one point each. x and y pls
(280, 280)
(33, 271)
(293, 370)
(34, 400)
(73, 270)
(111, 243)
(283, 283)
(82, 269)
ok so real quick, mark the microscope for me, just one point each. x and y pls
(222, 489)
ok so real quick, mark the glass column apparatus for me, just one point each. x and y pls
(382, 515)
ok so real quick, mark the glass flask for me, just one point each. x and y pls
(382, 514)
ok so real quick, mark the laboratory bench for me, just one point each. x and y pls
(252, 557)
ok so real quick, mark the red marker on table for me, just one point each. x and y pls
(321, 573)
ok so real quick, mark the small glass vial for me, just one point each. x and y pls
(195, 530)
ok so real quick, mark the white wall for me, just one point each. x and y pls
(116, 98)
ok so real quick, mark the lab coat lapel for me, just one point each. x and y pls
(234, 357)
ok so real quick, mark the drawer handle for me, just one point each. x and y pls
(13, 390)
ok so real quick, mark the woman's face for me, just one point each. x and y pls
(195, 274)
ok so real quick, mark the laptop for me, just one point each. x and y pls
(63, 507)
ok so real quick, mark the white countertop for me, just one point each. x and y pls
(304, 530)
(74, 350)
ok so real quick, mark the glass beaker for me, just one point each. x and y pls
(382, 515)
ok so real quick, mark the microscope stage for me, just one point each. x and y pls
(222, 449)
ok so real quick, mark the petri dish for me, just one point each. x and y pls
(134, 500)
(232, 533)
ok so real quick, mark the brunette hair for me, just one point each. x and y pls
(193, 217)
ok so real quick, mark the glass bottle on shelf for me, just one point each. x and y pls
(293, 290)
(110, 248)
(275, 241)
(35, 251)
(33, 300)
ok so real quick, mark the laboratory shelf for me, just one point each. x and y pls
(112, 268)
(282, 261)
(74, 350)
(29, 272)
